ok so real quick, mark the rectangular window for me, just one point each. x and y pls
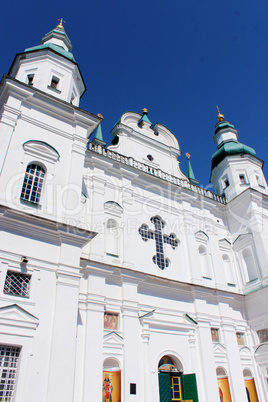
(242, 179)
(30, 78)
(9, 358)
(17, 284)
(226, 183)
(259, 182)
(176, 388)
(54, 82)
(133, 389)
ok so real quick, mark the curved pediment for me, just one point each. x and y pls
(41, 149)
(245, 351)
(262, 349)
(113, 208)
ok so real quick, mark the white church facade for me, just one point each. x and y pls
(121, 280)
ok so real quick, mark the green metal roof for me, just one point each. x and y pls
(191, 175)
(54, 47)
(145, 118)
(222, 125)
(98, 139)
(58, 31)
(190, 170)
(228, 149)
(98, 134)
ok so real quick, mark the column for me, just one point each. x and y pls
(63, 343)
(236, 379)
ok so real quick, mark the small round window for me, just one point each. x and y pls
(150, 158)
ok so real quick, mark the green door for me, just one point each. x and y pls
(174, 387)
(164, 387)
(189, 388)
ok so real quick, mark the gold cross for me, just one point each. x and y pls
(217, 107)
(61, 21)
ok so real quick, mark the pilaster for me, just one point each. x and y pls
(211, 392)
(236, 378)
(62, 354)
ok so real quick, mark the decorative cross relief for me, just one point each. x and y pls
(160, 238)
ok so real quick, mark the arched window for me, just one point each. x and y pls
(249, 265)
(204, 262)
(111, 242)
(32, 184)
(228, 269)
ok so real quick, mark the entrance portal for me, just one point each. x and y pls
(174, 386)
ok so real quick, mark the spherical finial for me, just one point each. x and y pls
(220, 116)
(60, 26)
(100, 115)
(188, 155)
(144, 111)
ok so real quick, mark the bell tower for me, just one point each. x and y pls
(234, 166)
(51, 67)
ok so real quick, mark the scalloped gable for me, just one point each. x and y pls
(152, 145)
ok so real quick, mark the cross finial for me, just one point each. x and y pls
(60, 26)
(220, 116)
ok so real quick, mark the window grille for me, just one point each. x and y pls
(9, 358)
(17, 284)
(33, 182)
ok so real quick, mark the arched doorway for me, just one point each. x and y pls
(111, 382)
(174, 386)
(250, 386)
(223, 384)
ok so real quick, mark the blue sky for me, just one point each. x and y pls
(178, 58)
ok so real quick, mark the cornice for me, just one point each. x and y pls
(43, 229)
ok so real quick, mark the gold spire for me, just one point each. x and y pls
(60, 26)
(220, 116)
(188, 155)
(144, 111)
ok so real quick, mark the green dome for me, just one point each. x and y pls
(228, 149)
